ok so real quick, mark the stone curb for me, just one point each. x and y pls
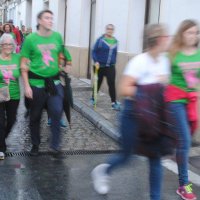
(95, 118)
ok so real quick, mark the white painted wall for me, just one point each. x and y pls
(11, 13)
(29, 15)
(154, 11)
(37, 6)
(73, 22)
(21, 14)
(78, 23)
(126, 15)
(135, 26)
(85, 23)
(58, 9)
(113, 12)
(128, 18)
(175, 11)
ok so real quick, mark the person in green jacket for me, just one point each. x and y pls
(9, 84)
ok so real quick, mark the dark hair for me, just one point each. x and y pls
(7, 24)
(40, 14)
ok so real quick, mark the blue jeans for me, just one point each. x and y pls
(128, 131)
(55, 109)
(182, 130)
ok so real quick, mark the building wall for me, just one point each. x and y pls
(126, 15)
(20, 14)
(172, 16)
(37, 6)
(58, 8)
(77, 34)
(28, 19)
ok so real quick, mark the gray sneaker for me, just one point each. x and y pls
(101, 179)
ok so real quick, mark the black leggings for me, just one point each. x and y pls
(8, 113)
(109, 73)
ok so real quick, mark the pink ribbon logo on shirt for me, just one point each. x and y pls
(47, 57)
(7, 76)
(191, 78)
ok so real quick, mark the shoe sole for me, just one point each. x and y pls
(2, 157)
(177, 192)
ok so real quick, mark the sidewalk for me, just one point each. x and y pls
(103, 116)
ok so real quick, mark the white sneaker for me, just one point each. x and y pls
(2, 156)
(100, 179)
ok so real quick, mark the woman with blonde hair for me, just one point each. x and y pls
(182, 97)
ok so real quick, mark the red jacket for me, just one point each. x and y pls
(17, 34)
(173, 93)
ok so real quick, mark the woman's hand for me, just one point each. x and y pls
(127, 86)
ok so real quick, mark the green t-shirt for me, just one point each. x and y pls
(111, 41)
(43, 53)
(186, 72)
(9, 74)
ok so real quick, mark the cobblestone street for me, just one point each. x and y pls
(82, 136)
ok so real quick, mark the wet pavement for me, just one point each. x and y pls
(47, 177)
(195, 161)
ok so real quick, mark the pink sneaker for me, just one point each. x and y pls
(185, 192)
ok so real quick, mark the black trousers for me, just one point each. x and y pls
(54, 104)
(110, 74)
(8, 113)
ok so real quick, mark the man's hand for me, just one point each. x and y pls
(67, 68)
(28, 92)
(97, 65)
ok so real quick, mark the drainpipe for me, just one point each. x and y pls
(146, 19)
(147, 10)
(90, 35)
(159, 11)
(65, 21)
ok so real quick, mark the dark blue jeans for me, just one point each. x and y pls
(55, 109)
(182, 129)
(128, 131)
